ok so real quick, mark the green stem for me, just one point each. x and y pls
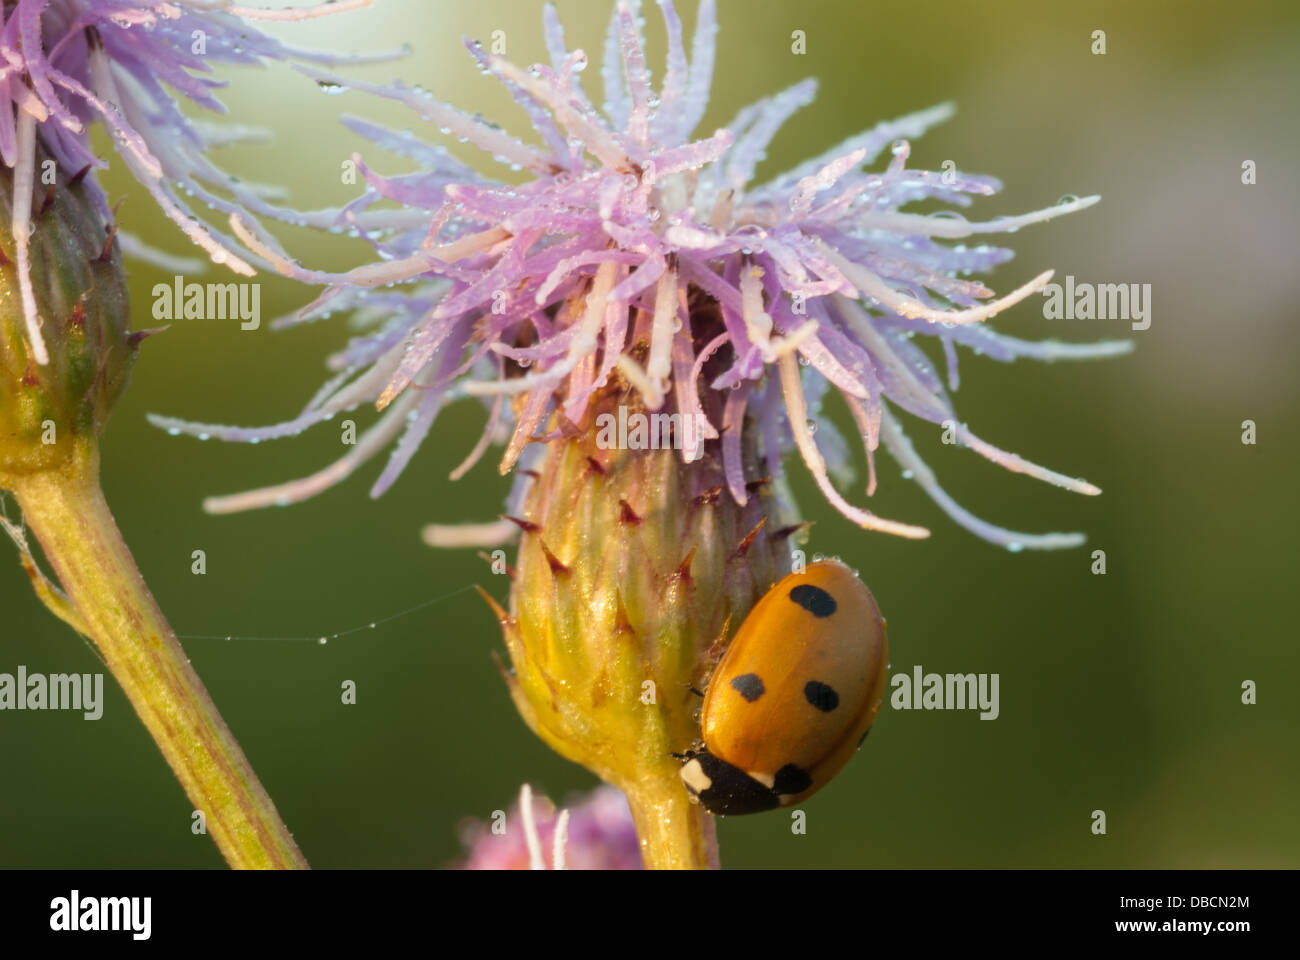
(675, 834)
(66, 510)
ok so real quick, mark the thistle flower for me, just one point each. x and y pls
(817, 269)
(594, 832)
(639, 271)
(67, 63)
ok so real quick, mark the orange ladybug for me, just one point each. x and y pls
(794, 695)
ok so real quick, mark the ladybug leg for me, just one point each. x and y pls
(690, 753)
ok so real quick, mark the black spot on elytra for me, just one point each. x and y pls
(813, 599)
(821, 695)
(791, 780)
(750, 686)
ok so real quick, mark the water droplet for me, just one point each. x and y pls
(908, 474)
(323, 640)
(330, 87)
(812, 426)
(1067, 198)
(898, 147)
(1015, 547)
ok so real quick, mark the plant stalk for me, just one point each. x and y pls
(675, 834)
(66, 510)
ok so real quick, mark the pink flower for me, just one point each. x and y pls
(640, 250)
(65, 64)
(593, 833)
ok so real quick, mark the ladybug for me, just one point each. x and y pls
(794, 695)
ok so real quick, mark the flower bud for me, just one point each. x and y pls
(632, 564)
(50, 411)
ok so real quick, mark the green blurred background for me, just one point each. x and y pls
(1119, 692)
